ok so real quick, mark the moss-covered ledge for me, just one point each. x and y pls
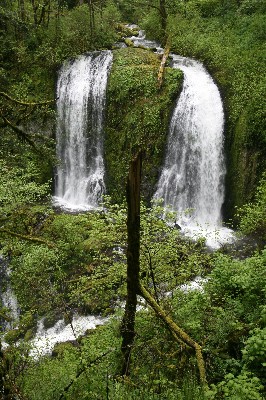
(138, 115)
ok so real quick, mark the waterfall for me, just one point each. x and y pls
(7, 297)
(192, 179)
(81, 94)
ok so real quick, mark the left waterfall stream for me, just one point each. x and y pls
(81, 93)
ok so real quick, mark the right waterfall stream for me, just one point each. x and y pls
(191, 182)
(192, 178)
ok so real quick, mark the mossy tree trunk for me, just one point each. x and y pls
(133, 252)
(134, 287)
(163, 18)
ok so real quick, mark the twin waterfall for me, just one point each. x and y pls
(81, 92)
(192, 177)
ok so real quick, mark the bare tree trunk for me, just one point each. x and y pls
(92, 21)
(162, 66)
(163, 13)
(134, 287)
(133, 250)
(35, 8)
(22, 11)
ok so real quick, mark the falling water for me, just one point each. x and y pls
(81, 92)
(8, 298)
(192, 178)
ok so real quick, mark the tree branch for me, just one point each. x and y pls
(41, 103)
(81, 372)
(21, 134)
(162, 66)
(28, 237)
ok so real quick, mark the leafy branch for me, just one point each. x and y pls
(82, 370)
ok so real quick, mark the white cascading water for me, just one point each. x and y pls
(81, 93)
(192, 178)
(45, 339)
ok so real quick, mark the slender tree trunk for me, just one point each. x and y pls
(35, 8)
(163, 20)
(92, 21)
(133, 250)
(134, 287)
(22, 12)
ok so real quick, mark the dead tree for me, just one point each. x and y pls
(134, 287)
(133, 265)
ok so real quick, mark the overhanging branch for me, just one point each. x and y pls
(23, 103)
(28, 237)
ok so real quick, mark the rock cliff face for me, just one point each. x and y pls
(245, 163)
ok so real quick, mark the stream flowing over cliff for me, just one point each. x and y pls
(192, 179)
(191, 182)
(81, 93)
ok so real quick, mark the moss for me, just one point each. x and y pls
(129, 42)
(138, 115)
(29, 334)
(61, 348)
(244, 162)
(50, 319)
(12, 336)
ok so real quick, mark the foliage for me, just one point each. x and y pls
(217, 316)
(254, 353)
(98, 355)
(84, 265)
(32, 53)
(19, 187)
(36, 283)
(253, 215)
(244, 386)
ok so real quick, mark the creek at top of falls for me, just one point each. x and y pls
(81, 93)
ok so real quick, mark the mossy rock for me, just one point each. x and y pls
(29, 334)
(129, 42)
(61, 348)
(27, 322)
(12, 336)
(51, 319)
(138, 116)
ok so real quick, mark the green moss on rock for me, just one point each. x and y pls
(138, 115)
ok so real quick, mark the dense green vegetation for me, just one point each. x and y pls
(138, 115)
(61, 263)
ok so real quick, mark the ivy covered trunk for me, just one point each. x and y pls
(133, 246)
